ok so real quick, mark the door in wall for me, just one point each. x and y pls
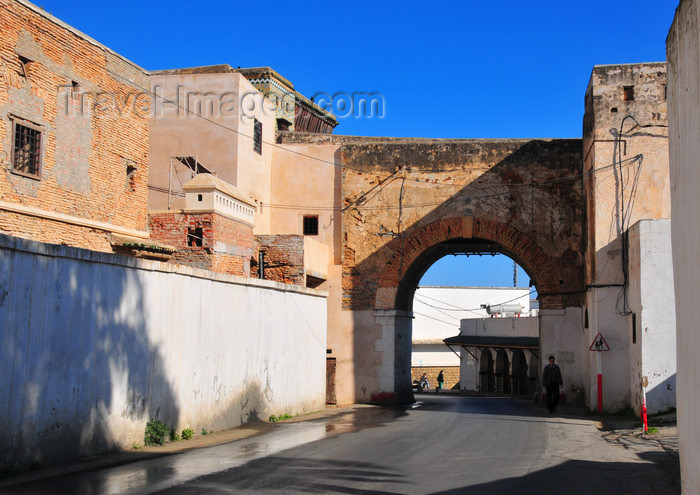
(330, 381)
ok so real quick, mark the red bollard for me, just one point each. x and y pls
(644, 416)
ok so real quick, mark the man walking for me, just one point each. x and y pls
(551, 379)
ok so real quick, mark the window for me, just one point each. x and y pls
(628, 93)
(24, 63)
(131, 177)
(311, 225)
(26, 149)
(283, 125)
(194, 237)
(257, 136)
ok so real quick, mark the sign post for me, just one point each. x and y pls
(645, 383)
(599, 345)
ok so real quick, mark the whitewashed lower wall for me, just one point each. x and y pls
(562, 336)
(683, 56)
(93, 345)
(501, 327)
(652, 348)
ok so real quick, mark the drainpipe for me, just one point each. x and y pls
(261, 264)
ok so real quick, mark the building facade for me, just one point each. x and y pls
(63, 181)
(626, 177)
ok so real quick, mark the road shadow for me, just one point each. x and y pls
(582, 478)
(287, 475)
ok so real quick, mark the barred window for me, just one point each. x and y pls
(257, 136)
(26, 149)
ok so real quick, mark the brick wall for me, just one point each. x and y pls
(284, 258)
(450, 374)
(226, 244)
(87, 148)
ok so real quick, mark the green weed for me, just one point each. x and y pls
(187, 433)
(155, 433)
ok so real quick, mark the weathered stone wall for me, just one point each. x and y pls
(86, 101)
(625, 144)
(449, 373)
(404, 197)
(626, 178)
(405, 203)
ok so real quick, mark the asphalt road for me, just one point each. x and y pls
(441, 445)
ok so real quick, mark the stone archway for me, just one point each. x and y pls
(414, 254)
(403, 202)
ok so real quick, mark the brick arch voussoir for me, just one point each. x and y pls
(407, 251)
(527, 252)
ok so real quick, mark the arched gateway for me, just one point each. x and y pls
(407, 203)
(417, 252)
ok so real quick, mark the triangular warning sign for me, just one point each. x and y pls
(599, 344)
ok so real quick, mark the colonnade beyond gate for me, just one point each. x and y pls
(507, 371)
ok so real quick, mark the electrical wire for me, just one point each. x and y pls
(473, 310)
(622, 303)
(433, 318)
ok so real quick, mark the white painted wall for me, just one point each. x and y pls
(604, 305)
(93, 345)
(651, 299)
(683, 55)
(439, 310)
(562, 336)
(501, 327)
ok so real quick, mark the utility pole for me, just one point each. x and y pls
(515, 274)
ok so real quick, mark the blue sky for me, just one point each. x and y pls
(452, 69)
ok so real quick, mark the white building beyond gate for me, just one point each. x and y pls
(439, 311)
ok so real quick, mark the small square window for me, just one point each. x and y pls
(628, 93)
(257, 136)
(311, 225)
(195, 237)
(26, 149)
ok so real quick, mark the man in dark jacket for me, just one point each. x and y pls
(551, 379)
